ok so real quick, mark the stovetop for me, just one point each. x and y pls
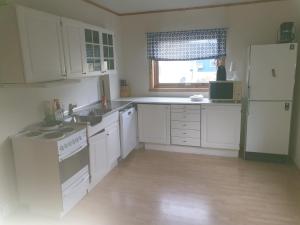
(50, 132)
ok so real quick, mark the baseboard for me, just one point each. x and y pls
(192, 150)
(266, 157)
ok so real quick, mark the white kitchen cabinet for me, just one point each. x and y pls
(73, 37)
(109, 50)
(185, 124)
(113, 143)
(98, 157)
(154, 123)
(104, 145)
(220, 126)
(42, 46)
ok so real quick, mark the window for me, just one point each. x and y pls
(184, 60)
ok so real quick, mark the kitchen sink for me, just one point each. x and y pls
(92, 120)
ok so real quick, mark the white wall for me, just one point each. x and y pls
(250, 24)
(20, 107)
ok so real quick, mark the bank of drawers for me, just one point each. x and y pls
(185, 125)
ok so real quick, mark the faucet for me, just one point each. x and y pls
(71, 108)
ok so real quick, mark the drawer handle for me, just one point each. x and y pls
(184, 133)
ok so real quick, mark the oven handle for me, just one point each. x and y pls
(75, 185)
(63, 157)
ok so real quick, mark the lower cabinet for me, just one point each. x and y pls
(113, 143)
(98, 157)
(220, 126)
(154, 123)
(215, 126)
(104, 149)
(185, 125)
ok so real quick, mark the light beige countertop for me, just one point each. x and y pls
(172, 100)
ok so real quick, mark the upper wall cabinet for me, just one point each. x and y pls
(40, 47)
(74, 48)
(38, 51)
(94, 56)
(108, 50)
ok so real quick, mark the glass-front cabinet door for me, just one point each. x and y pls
(93, 51)
(108, 51)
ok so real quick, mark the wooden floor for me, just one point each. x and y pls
(161, 188)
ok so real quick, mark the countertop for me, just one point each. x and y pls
(173, 100)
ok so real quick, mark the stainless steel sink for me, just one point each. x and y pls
(92, 120)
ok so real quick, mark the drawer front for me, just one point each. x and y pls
(183, 133)
(185, 108)
(186, 117)
(186, 141)
(185, 125)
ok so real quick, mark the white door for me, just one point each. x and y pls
(41, 41)
(268, 127)
(113, 143)
(272, 71)
(98, 158)
(73, 34)
(154, 123)
(220, 126)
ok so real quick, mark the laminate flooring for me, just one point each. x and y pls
(163, 188)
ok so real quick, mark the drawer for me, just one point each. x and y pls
(186, 117)
(185, 141)
(185, 125)
(183, 133)
(186, 108)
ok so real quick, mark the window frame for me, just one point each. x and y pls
(155, 86)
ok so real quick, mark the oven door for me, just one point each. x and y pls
(73, 164)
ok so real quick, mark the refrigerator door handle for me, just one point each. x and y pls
(273, 73)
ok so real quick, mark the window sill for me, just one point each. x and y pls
(160, 89)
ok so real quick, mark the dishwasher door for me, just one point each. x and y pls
(128, 130)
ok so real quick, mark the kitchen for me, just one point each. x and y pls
(23, 105)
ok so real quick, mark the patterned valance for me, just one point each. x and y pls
(187, 45)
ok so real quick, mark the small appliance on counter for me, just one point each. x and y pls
(287, 32)
(225, 91)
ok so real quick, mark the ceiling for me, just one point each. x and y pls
(144, 6)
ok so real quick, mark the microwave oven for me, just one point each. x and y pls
(225, 90)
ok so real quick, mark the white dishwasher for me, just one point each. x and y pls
(128, 130)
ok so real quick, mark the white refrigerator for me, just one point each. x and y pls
(271, 78)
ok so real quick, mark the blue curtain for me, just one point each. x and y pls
(187, 45)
